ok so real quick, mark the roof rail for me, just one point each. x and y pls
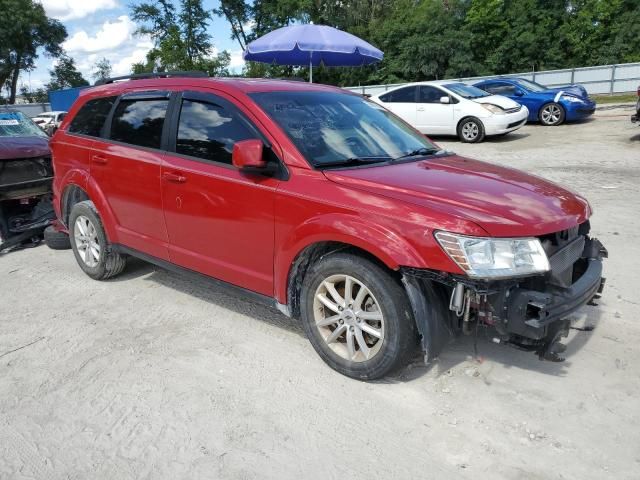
(142, 76)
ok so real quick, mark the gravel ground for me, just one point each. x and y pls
(155, 376)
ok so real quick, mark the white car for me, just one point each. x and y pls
(453, 108)
(49, 121)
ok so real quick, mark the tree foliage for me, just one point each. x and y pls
(431, 39)
(65, 74)
(25, 32)
(180, 36)
(101, 70)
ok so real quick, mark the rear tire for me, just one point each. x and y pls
(56, 240)
(366, 332)
(90, 245)
(471, 130)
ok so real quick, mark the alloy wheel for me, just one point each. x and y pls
(86, 240)
(551, 114)
(470, 131)
(349, 318)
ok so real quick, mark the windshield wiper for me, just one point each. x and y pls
(348, 162)
(419, 152)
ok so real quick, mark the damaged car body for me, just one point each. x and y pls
(26, 175)
(327, 206)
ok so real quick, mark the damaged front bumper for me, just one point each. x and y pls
(529, 313)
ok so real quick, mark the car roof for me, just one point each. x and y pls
(229, 85)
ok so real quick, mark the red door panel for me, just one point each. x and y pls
(130, 180)
(220, 222)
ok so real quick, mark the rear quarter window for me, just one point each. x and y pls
(91, 117)
(139, 122)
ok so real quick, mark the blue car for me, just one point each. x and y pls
(549, 106)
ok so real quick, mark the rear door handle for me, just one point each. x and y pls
(174, 177)
(421, 109)
(99, 159)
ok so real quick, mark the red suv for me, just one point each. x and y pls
(324, 204)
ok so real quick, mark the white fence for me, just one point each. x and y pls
(620, 78)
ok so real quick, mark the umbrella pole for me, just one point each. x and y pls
(311, 67)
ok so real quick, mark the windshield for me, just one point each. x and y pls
(531, 86)
(17, 124)
(332, 128)
(466, 91)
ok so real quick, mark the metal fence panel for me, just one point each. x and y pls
(619, 78)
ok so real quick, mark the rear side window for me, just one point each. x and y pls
(91, 116)
(402, 95)
(500, 88)
(209, 131)
(139, 122)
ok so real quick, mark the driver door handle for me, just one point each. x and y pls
(174, 177)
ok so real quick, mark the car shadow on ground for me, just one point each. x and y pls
(635, 138)
(508, 137)
(468, 350)
(209, 291)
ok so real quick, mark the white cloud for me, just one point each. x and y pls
(110, 36)
(72, 9)
(237, 62)
(115, 40)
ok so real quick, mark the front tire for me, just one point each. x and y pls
(90, 245)
(357, 317)
(552, 114)
(471, 130)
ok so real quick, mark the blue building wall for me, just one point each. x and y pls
(63, 99)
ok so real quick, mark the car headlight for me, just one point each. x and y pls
(495, 257)
(570, 98)
(495, 109)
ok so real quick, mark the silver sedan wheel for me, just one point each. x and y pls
(349, 318)
(87, 243)
(551, 114)
(470, 130)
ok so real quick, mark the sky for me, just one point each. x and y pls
(103, 28)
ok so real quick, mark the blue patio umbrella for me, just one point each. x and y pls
(312, 45)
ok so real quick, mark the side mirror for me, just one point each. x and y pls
(247, 156)
(445, 99)
(518, 93)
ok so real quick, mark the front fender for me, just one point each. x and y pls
(380, 241)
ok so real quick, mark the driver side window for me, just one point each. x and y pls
(208, 131)
(501, 88)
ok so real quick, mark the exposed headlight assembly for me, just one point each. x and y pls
(493, 108)
(571, 98)
(493, 258)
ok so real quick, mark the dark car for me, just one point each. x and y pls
(327, 206)
(26, 176)
(549, 106)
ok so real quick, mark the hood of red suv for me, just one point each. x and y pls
(503, 201)
(13, 148)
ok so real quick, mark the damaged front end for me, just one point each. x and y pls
(26, 177)
(528, 312)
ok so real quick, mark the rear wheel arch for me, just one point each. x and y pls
(72, 195)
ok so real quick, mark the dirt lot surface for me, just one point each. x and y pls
(155, 376)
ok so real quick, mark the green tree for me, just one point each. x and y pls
(181, 41)
(25, 30)
(101, 70)
(65, 74)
